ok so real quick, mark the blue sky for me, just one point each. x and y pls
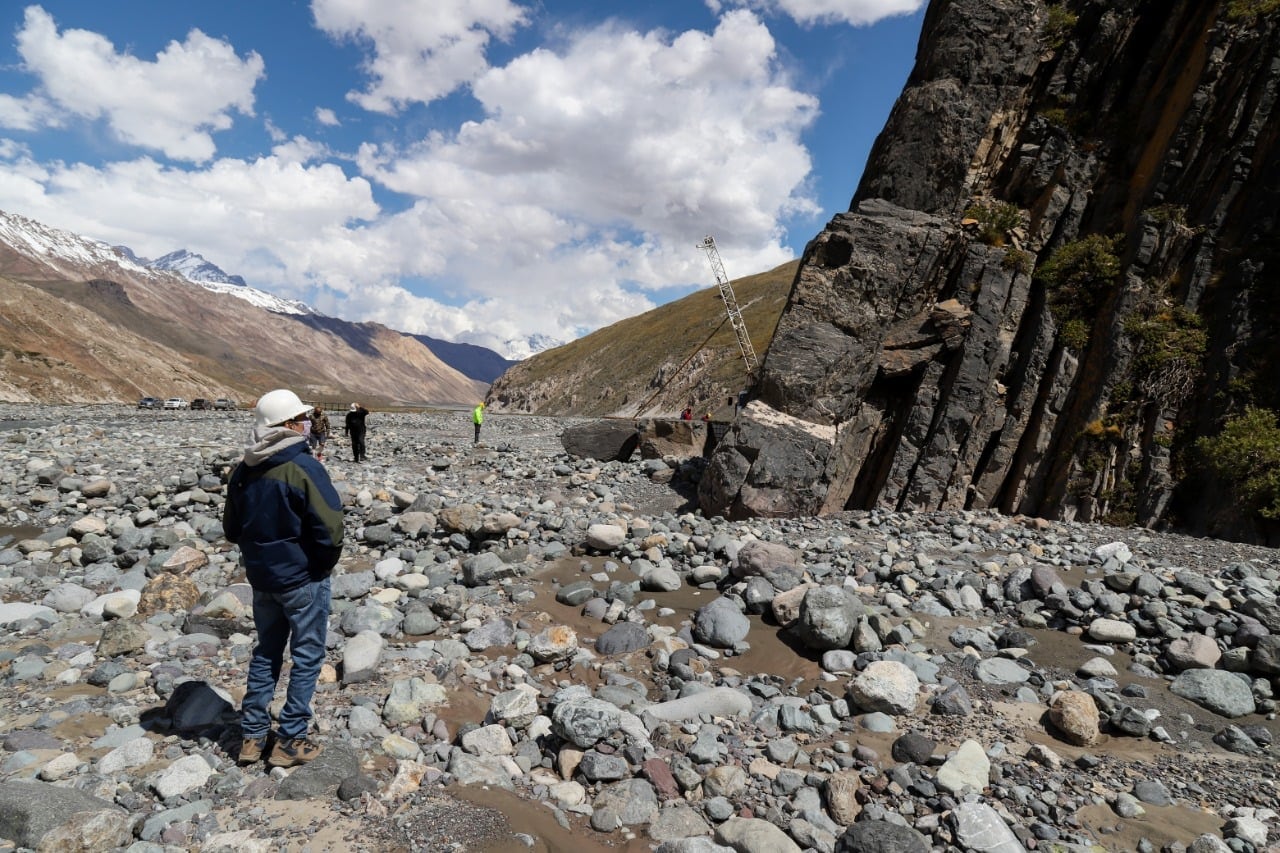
(477, 170)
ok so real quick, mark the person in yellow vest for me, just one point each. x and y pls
(477, 418)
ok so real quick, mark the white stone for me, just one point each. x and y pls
(568, 793)
(122, 604)
(134, 753)
(605, 537)
(1117, 550)
(969, 767)
(886, 686)
(389, 568)
(181, 777)
(488, 740)
(11, 613)
(61, 767)
(1112, 631)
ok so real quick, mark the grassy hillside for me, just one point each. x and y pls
(682, 353)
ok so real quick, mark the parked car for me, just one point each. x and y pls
(149, 403)
(176, 403)
(223, 403)
(201, 403)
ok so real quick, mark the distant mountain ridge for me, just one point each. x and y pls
(66, 251)
(82, 321)
(194, 267)
(479, 363)
(518, 349)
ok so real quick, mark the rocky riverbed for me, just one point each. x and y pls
(533, 651)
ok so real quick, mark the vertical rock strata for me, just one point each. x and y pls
(1056, 274)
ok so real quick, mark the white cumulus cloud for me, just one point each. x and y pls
(634, 141)
(27, 113)
(327, 117)
(269, 219)
(172, 104)
(421, 51)
(854, 12)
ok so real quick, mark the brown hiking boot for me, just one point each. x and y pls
(251, 749)
(289, 752)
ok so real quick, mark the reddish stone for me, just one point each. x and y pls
(659, 774)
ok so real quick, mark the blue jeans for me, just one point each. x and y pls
(298, 617)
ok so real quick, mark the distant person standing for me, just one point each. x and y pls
(355, 429)
(285, 515)
(319, 432)
(477, 418)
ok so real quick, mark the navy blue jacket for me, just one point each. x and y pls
(287, 519)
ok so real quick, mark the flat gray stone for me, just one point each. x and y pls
(322, 776)
(31, 810)
(1216, 690)
(717, 701)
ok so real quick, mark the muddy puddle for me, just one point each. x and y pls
(537, 821)
(10, 535)
(772, 651)
(1161, 825)
(464, 705)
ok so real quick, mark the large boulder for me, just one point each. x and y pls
(1224, 693)
(32, 812)
(602, 440)
(661, 438)
(828, 615)
(886, 686)
(793, 482)
(1075, 714)
(881, 836)
(754, 835)
(720, 623)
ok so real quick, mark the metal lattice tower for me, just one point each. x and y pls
(708, 245)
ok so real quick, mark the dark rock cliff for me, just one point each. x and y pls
(1057, 274)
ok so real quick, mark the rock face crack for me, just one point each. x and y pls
(945, 326)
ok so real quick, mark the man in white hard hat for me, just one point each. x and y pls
(285, 515)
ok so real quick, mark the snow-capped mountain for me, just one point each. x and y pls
(28, 247)
(86, 322)
(62, 250)
(518, 349)
(67, 252)
(194, 267)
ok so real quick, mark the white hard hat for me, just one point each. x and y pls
(276, 407)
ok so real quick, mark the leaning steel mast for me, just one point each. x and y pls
(708, 245)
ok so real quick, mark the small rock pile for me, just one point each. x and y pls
(570, 631)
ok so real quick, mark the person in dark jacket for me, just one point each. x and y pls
(319, 432)
(285, 515)
(354, 427)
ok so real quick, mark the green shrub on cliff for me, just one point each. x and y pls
(1018, 261)
(995, 220)
(1165, 213)
(1171, 344)
(1058, 24)
(1249, 10)
(1246, 455)
(1078, 277)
